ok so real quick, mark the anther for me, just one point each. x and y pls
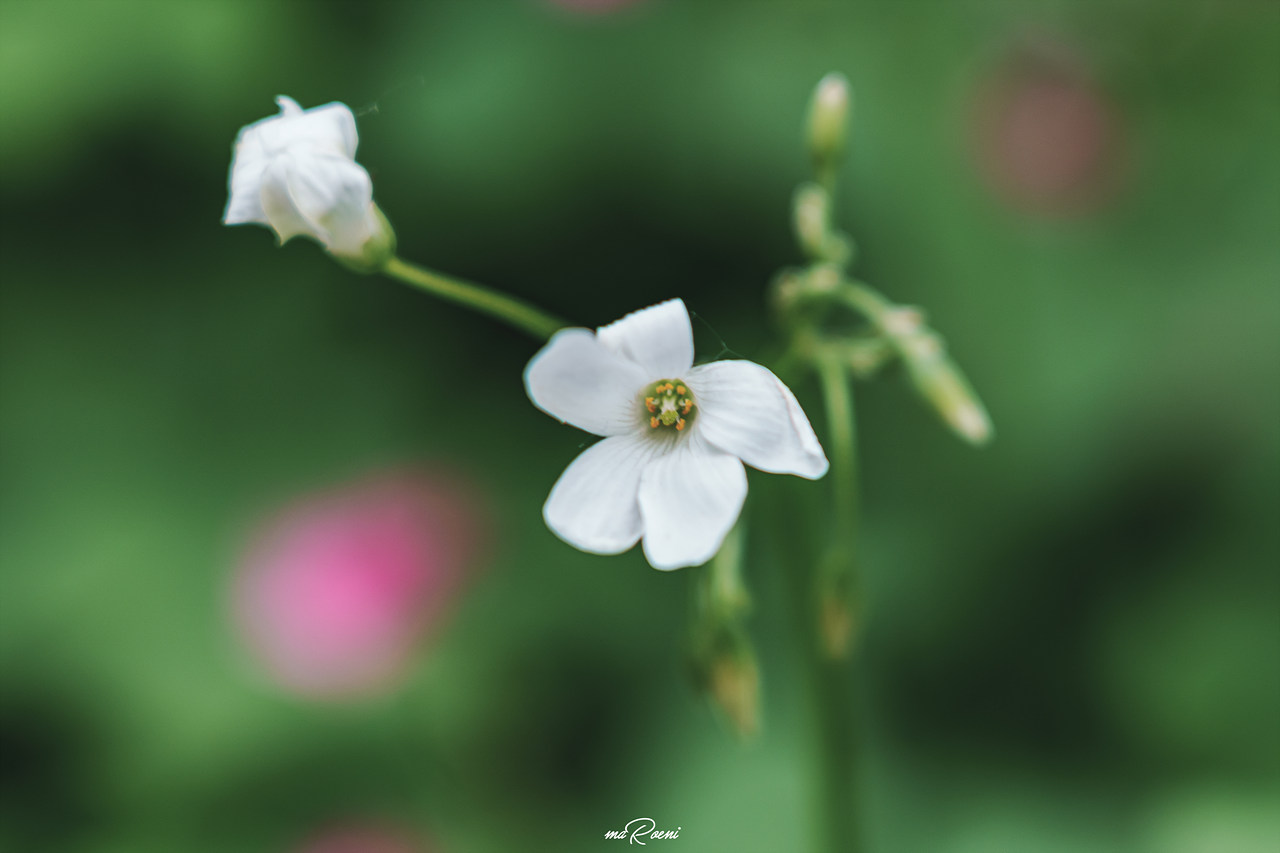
(668, 403)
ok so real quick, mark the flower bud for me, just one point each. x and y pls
(296, 173)
(811, 209)
(734, 685)
(828, 119)
(938, 379)
(836, 618)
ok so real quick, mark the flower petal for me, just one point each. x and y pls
(278, 204)
(690, 498)
(334, 194)
(577, 380)
(244, 190)
(244, 184)
(745, 410)
(314, 192)
(331, 127)
(658, 338)
(593, 505)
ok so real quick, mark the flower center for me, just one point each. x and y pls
(669, 403)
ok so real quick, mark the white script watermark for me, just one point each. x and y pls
(637, 830)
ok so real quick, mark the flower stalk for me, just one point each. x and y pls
(722, 655)
(514, 312)
(837, 580)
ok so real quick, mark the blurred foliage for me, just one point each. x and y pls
(1073, 634)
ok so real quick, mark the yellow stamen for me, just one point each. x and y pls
(653, 423)
(680, 389)
(680, 424)
(650, 404)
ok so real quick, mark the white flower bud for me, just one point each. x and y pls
(296, 173)
(829, 117)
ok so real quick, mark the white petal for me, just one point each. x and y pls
(331, 127)
(244, 191)
(593, 505)
(747, 411)
(577, 380)
(658, 338)
(690, 498)
(281, 210)
(244, 185)
(323, 195)
(332, 193)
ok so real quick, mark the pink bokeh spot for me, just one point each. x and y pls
(338, 590)
(362, 840)
(1048, 138)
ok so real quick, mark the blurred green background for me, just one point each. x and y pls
(1073, 639)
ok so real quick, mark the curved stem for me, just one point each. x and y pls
(510, 310)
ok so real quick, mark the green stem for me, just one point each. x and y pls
(842, 443)
(508, 309)
(834, 582)
(868, 302)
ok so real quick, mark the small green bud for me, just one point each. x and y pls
(811, 209)
(836, 625)
(828, 119)
(837, 621)
(734, 686)
(865, 357)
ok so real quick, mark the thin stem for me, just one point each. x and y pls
(840, 423)
(508, 309)
(834, 580)
(868, 302)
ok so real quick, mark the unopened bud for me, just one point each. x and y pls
(828, 118)
(941, 383)
(734, 685)
(865, 357)
(811, 209)
(823, 279)
(835, 627)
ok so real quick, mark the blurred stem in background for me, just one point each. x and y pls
(842, 329)
(510, 310)
(723, 658)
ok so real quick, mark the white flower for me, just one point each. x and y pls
(296, 172)
(670, 466)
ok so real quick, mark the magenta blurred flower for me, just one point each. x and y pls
(338, 590)
(362, 839)
(1048, 139)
